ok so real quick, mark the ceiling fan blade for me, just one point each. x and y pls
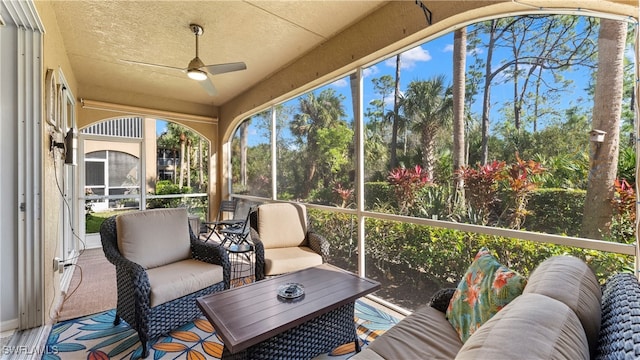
(153, 65)
(208, 86)
(225, 68)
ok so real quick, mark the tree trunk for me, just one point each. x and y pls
(459, 80)
(516, 98)
(428, 151)
(396, 117)
(607, 107)
(486, 102)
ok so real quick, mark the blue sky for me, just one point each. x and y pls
(435, 58)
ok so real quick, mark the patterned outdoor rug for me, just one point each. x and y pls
(95, 337)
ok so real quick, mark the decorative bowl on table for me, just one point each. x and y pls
(290, 290)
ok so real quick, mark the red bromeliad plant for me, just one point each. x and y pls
(521, 182)
(624, 201)
(407, 183)
(345, 194)
(481, 187)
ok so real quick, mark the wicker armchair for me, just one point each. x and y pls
(283, 241)
(161, 268)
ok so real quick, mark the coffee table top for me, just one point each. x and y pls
(253, 313)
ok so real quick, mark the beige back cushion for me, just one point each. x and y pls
(532, 326)
(154, 238)
(571, 281)
(282, 225)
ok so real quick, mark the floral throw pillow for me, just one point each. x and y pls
(486, 287)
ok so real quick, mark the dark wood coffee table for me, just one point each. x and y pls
(255, 323)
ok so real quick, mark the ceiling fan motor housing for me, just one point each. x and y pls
(196, 29)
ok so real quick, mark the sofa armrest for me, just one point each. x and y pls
(619, 336)
(440, 300)
(319, 244)
(212, 254)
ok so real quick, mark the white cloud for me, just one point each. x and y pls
(409, 58)
(340, 83)
(372, 70)
(448, 48)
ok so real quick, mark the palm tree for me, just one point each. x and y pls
(316, 112)
(396, 116)
(428, 106)
(607, 109)
(459, 80)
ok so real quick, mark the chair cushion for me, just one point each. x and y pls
(154, 238)
(570, 280)
(282, 225)
(533, 326)
(285, 260)
(486, 287)
(426, 334)
(181, 278)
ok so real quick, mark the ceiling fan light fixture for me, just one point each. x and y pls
(197, 74)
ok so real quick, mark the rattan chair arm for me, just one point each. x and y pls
(619, 336)
(440, 300)
(258, 248)
(319, 244)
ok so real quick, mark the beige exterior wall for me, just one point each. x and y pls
(54, 58)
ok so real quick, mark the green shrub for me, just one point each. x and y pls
(445, 254)
(378, 193)
(556, 211)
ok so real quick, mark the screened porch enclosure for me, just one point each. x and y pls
(480, 136)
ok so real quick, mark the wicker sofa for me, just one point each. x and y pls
(161, 268)
(562, 314)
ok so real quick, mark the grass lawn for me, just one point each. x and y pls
(94, 220)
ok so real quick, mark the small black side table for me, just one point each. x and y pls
(242, 258)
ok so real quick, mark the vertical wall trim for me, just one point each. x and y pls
(30, 246)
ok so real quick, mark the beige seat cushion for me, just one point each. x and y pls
(532, 326)
(426, 334)
(571, 281)
(285, 260)
(282, 225)
(181, 278)
(154, 238)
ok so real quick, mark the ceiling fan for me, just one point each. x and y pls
(196, 69)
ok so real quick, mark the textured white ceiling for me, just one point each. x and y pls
(266, 35)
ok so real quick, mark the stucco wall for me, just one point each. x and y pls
(54, 58)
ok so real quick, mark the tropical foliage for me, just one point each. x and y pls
(503, 144)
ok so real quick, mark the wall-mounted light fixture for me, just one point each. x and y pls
(68, 146)
(597, 136)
